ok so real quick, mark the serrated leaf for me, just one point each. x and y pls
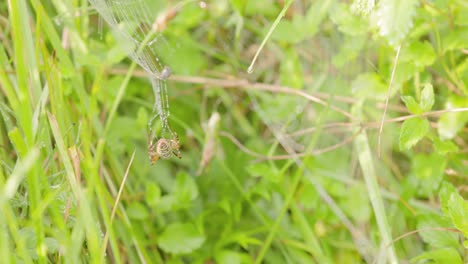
(454, 207)
(395, 18)
(419, 53)
(443, 255)
(346, 21)
(427, 97)
(412, 131)
(363, 6)
(458, 212)
(445, 192)
(180, 238)
(436, 238)
(411, 104)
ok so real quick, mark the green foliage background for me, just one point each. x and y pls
(74, 111)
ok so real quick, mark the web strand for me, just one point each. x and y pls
(131, 22)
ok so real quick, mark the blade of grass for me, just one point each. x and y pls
(114, 208)
(85, 213)
(368, 171)
(272, 28)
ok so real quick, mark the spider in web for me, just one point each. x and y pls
(163, 149)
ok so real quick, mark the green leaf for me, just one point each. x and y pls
(412, 131)
(369, 85)
(429, 170)
(315, 15)
(454, 207)
(445, 193)
(412, 105)
(179, 238)
(29, 238)
(436, 238)
(137, 211)
(349, 50)
(229, 257)
(346, 21)
(395, 18)
(52, 244)
(444, 147)
(264, 170)
(451, 123)
(455, 39)
(427, 97)
(421, 54)
(440, 256)
(244, 240)
(153, 193)
(356, 204)
(186, 189)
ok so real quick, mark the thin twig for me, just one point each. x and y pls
(234, 83)
(379, 145)
(374, 124)
(285, 157)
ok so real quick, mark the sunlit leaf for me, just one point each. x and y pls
(137, 211)
(427, 97)
(395, 18)
(436, 238)
(454, 207)
(451, 123)
(443, 255)
(411, 104)
(412, 131)
(179, 238)
(429, 170)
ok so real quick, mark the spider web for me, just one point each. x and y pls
(132, 21)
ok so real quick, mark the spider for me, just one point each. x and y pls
(164, 149)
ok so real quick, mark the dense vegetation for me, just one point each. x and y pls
(345, 142)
